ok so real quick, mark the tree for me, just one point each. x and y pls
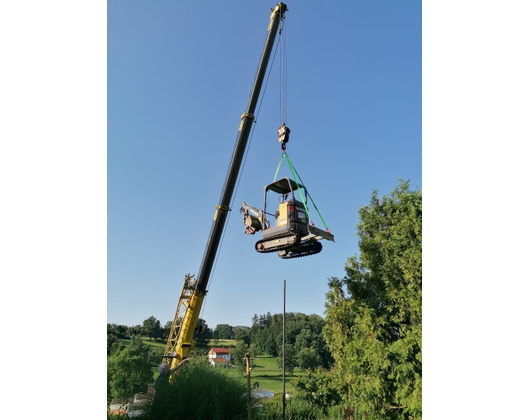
(243, 336)
(237, 354)
(226, 332)
(252, 350)
(268, 344)
(316, 386)
(128, 372)
(290, 359)
(308, 358)
(215, 336)
(152, 328)
(113, 344)
(255, 321)
(203, 333)
(373, 322)
(166, 330)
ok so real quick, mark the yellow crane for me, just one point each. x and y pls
(180, 341)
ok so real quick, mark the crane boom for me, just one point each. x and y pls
(180, 340)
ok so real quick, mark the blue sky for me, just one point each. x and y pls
(178, 80)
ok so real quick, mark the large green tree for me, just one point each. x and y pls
(202, 333)
(373, 322)
(128, 370)
(152, 328)
(225, 331)
(113, 344)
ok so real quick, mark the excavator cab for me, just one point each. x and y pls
(287, 230)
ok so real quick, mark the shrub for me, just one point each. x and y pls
(200, 392)
(295, 409)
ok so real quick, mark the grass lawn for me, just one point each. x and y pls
(265, 371)
(222, 343)
(146, 341)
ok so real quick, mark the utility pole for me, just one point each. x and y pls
(283, 351)
(247, 357)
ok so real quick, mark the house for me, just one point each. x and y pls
(219, 352)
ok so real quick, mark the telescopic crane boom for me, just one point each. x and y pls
(180, 340)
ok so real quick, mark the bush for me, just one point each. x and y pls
(200, 392)
(341, 413)
(316, 387)
(295, 409)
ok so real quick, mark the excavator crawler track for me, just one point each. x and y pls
(293, 249)
(288, 241)
(302, 250)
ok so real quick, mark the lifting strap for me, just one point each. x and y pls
(294, 172)
(299, 190)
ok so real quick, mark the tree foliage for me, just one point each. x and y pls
(373, 322)
(237, 354)
(317, 387)
(308, 358)
(202, 333)
(225, 331)
(290, 359)
(113, 344)
(301, 332)
(128, 370)
(152, 328)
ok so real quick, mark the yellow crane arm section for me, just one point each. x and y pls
(180, 341)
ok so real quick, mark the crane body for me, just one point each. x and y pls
(180, 341)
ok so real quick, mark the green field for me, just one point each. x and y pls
(222, 343)
(265, 370)
(162, 345)
(146, 341)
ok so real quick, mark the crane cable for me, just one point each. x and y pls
(243, 165)
(283, 75)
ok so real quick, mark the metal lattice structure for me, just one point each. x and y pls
(176, 328)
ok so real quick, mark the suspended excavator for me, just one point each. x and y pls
(292, 236)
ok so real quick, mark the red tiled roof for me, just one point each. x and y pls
(220, 350)
(219, 360)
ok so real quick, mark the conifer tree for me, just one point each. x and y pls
(373, 322)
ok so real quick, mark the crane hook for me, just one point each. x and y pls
(283, 135)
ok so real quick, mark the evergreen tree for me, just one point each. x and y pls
(373, 322)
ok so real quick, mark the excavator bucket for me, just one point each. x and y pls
(252, 218)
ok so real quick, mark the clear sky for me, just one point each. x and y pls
(179, 76)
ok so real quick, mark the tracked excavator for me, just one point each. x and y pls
(180, 341)
(291, 235)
